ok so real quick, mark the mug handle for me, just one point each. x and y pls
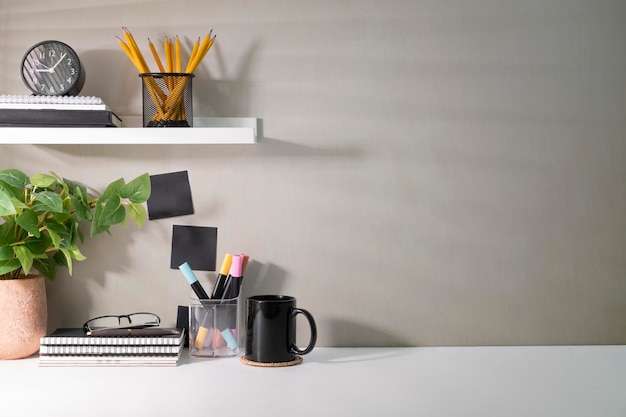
(309, 317)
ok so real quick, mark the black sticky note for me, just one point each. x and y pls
(171, 195)
(195, 245)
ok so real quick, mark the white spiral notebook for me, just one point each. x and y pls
(52, 102)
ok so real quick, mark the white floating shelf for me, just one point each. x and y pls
(205, 131)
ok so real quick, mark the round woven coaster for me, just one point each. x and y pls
(297, 360)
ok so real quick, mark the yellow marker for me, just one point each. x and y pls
(222, 276)
(203, 332)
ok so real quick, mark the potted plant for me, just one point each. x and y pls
(39, 231)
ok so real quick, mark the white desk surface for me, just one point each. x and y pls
(566, 381)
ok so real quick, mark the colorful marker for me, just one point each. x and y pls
(193, 281)
(220, 282)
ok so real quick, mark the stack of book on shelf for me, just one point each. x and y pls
(56, 111)
(72, 347)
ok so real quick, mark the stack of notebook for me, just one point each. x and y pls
(55, 111)
(72, 347)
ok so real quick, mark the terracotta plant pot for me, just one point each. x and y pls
(23, 316)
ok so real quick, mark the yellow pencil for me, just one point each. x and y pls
(135, 50)
(156, 56)
(172, 58)
(173, 53)
(202, 51)
(128, 53)
(179, 64)
(194, 51)
(206, 50)
(201, 48)
(168, 55)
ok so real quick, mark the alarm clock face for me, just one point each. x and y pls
(52, 68)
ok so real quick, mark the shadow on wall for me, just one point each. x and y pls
(69, 294)
(345, 333)
(111, 76)
(59, 298)
(270, 279)
(226, 93)
(265, 148)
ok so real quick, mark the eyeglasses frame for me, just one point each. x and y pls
(87, 328)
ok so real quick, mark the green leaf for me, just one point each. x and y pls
(73, 186)
(77, 233)
(14, 178)
(69, 239)
(67, 259)
(46, 267)
(113, 212)
(138, 213)
(25, 257)
(39, 245)
(42, 180)
(59, 233)
(96, 228)
(50, 201)
(18, 204)
(6, 204)
(6, 231)
(6, 253)
(113, 189)
(56, 227)
(28, 221)
(138, 190)
(14, 193)
(81, 204)
(9, 266)
(64, 186)
(63, 217)
(56, 239)
(75, 253)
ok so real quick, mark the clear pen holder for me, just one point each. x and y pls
(213, 328)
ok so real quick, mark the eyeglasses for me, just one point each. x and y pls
(125, 321)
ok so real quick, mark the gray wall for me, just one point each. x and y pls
(432, 172)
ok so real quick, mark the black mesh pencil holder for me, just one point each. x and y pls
(167, 99)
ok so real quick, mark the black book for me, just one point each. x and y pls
(58, 118)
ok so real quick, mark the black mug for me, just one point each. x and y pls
(272, 329)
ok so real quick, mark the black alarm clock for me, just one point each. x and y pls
(52, 68)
